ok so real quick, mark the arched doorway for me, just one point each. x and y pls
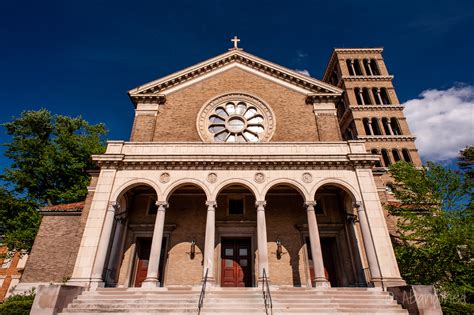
(236, 236)
(339, 237)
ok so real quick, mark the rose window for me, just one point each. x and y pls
(236, 121)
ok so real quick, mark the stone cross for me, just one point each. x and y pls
(235, 40)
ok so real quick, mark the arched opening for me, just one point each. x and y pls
(374, 67)
(236, 236)
(358, 94)
(366, 123)
(395, 126)
(376, 127)
(376, 94)
(185, 232)
(286, 221)
(366, 96)
(406, 155)
(339, 237)
(396, 155)
(386, 158)
(357, 68)
(350, 67)
(386, 126)
(136, 204)
(384, 96)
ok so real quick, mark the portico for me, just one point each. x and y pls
(227, 193)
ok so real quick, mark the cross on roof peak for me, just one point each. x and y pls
(235, 40)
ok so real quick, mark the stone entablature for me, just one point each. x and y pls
(121, 154)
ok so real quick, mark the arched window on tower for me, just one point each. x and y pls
(358, 94)
(386, 158)
(386, 126)
(374, 67)
(375, 151)
(396, 155)
(376, 94)
(406, 155)
(366, 123)
(384, 96)
(357, 68)
(376, 127)
(367, 68)
(397, 131)
(350, 68)
(366, 96)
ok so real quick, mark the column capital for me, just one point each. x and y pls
(309, 205)
(114, 205)
(211, 203)
(162, 205)
(260, 205)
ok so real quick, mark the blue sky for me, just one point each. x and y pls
(80, 57)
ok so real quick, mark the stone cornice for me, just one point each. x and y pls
(147, 99)
(303, 155)
(285, 74)
(368, 78)
(386, 138)
(321, 98)
(370, 108)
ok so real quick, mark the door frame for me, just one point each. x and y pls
(225, 230)
(247, 240)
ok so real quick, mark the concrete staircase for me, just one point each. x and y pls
(135, 301)
(304, 301)
(235, 301)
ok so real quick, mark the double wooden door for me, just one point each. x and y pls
(236, 270)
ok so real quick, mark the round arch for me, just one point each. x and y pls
(235, 181)
(120, 191)
(186, 181)
(288, 182)
(338, 183)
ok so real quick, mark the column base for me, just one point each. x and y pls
(322, 283)
(96, 283)
(388, 282)
(211, 282)
(151, 283)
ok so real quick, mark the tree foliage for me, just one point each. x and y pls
(435, 230)
(50, 156)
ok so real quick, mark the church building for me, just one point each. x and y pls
(240, 171)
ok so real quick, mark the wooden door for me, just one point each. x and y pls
(143, 255)
(236, 270)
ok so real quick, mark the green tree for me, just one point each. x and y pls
(50, 155)
(435, 231)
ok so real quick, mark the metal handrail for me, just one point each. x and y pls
(203, 292)
(267, 297)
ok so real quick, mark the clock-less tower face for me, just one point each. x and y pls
(236, 118)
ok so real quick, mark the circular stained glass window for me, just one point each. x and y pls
(236, 122)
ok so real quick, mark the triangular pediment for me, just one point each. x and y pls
(228, 60)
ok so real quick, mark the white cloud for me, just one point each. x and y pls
(303, 72)
(442, 121)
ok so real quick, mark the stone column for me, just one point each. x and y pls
(368, 243)
(316, 251)
(389, 124)
(370, 128)
(361, 96)
(262, 240)
(379, 97)
(151, 280)
(116, 249)
(209, 242)
(102, 248)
